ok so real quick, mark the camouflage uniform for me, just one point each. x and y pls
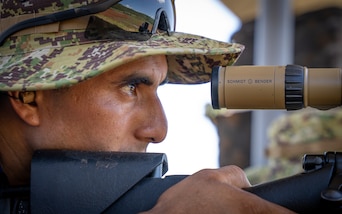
(291, 136)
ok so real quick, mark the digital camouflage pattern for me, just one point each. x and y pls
(59, 55)
(11, 8)
(292, 135)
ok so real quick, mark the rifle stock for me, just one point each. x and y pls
(104, 182)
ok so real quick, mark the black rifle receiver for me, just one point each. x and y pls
(117, 182)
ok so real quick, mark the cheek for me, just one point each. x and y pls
(99, 126)
(84, 125)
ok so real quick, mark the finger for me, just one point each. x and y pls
(234, 175)
(231, 175)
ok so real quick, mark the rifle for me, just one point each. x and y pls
(64, 181)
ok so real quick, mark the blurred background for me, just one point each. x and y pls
(268, 144)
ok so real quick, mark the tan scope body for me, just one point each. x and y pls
(276, 87)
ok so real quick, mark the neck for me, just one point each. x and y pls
(15, 154)
(15, 162)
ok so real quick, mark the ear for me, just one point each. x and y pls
(25, 106)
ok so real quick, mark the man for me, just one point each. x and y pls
(85, 77)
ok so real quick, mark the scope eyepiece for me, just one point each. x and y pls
(214, 87)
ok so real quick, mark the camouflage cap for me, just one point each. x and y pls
(58, 55)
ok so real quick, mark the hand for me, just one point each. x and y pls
(214, 191)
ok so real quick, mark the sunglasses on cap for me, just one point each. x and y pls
(112, 19)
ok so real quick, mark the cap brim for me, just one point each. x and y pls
(40, 65)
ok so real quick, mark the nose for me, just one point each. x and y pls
(153, 126)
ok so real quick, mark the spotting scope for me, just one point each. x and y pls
(290, 87)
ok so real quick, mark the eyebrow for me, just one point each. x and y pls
(138, 78)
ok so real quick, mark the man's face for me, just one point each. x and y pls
(116, 111)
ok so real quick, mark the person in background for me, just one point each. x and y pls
(293, 135)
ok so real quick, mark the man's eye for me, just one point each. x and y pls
(130, 88)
